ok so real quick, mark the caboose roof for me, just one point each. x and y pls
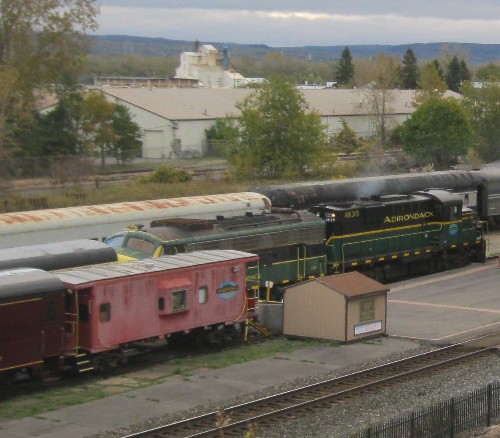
(89, 274)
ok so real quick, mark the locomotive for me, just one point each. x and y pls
(479, 189)
(290, 244)
(396, 235)
(91, 317)
(384, 237)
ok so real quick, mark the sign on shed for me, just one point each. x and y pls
(344, 307)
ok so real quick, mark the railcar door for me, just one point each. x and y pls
(52, 332)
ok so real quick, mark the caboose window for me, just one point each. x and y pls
(179, 301)
(105, 312)
(161, 303)
(51, 311)
(202, 294)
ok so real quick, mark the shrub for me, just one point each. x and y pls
(165, 174)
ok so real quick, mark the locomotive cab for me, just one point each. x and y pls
(396, 235)
(447, 205)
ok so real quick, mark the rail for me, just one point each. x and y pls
(266, 411)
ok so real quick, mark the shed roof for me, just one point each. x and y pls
(353, 284)
(212, 103)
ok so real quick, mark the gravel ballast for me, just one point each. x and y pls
(352, 416)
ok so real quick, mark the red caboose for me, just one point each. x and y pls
(117, 304)
(31, 321)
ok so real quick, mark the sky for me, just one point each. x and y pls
(296, 23)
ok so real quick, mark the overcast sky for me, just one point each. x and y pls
(281, 23)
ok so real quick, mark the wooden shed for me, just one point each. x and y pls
(344, 307)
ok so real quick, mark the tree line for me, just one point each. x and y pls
(346, 70)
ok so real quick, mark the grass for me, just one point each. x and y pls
(40, 402)
(93, 189)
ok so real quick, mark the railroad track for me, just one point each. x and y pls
(235, 421)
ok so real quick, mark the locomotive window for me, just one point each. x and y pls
(105, 312)
(51, 311)
(161, 303)
(202, 294)
(115, 242)
(168, 250)
(179, 301)
(454, 213)
(141, 245)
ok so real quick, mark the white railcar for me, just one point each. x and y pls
(98, 221)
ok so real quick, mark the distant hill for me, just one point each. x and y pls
(123, 44)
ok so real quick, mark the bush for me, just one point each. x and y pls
(165, 174)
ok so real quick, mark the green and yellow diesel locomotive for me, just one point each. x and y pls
(385, 237)
(395, 235)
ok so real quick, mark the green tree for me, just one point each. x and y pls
(222, 136)
(86, 123)
(465, 74)
(438, 68)
(345, 69)
(483, 105)
(127, 144)
(488, 73)
(345, 139)
(277, 134)
(410, 71)
(10, 108)
(438, 132)
(60, 128)
(454, 74)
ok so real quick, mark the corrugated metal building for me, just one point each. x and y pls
(174, 120)
(345, 307)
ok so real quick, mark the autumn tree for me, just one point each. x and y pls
(409, 71)
(44, 40)
(277, 134)
(345, 69)
(41, 46)
(378, 97)
(430, 83)
(438, 132)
